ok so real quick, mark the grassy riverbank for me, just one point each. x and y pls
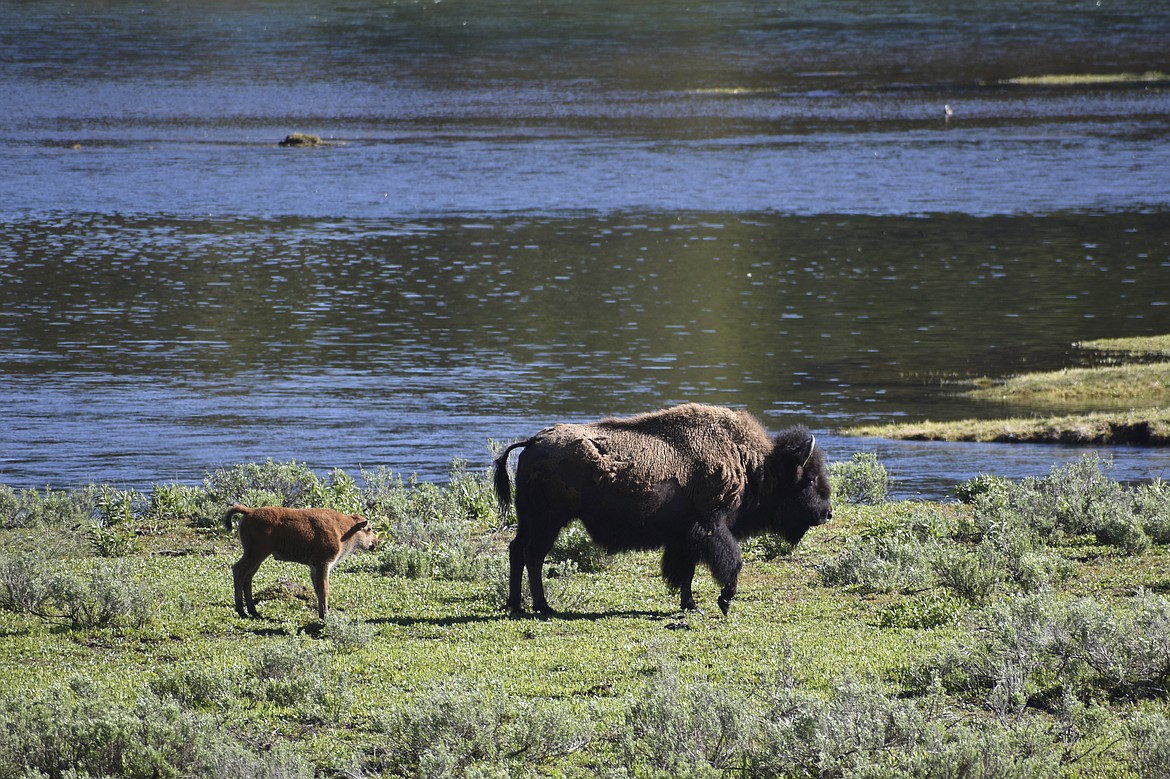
(1022, 631)
(1143, 386)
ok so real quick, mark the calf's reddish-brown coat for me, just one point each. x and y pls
(318, 538)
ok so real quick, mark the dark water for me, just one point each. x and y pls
(541, 211)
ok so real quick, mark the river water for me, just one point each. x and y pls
(529, 212)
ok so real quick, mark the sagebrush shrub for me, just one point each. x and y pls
(289, 674)
(1151, 505)
(862, 479)
(9, 506)
(57, 509)
(1127, 651)
(452, 730)
(26, 584)
(685, 728)
(1075, 499)
(1029, 650)
(269, 483)
(75, 732)
(347, 633)
(430, 529)
(197, 687)
(574, 545)
(893, 563)
(107, 595)
(1149, 744)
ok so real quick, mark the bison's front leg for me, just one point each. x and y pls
(678, 568)
(720, 551)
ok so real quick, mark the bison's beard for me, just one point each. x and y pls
(793, 535)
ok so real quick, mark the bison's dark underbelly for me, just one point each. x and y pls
(621, 519)
(621, 509)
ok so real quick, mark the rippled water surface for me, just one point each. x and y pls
(528, 212)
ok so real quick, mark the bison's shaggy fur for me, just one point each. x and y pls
(689, 480)
(318, 538)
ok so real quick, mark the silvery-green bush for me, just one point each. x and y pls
(863, 479)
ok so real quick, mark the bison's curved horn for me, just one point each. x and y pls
(812, 445)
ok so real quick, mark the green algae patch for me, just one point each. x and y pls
(1135, 384)
(1141, 428)
(1087, 79)
(1065, 406)
(1144, 347)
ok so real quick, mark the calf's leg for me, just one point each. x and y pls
(242, 573)
(320, 576)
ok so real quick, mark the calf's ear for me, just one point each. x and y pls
(361, 523)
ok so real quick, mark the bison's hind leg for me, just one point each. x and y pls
(516, 574)
(536, 533)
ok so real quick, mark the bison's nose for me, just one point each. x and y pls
(828, 516)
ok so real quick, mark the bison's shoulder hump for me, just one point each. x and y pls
(704, 447)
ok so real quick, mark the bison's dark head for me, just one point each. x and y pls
(800, 492)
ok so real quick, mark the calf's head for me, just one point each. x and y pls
(361, 535)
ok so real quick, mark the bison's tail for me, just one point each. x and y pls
(502, 482)
(238, 508)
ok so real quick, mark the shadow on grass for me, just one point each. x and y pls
(471, 619)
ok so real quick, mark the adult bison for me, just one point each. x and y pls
(691, 480)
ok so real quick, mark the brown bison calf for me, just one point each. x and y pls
(318, 538)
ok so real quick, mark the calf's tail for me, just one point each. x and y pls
(237, 508)
(502, 482)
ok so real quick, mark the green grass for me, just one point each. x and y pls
(1148, 346)
(1080, 79)
(1041, 405)
(1147, 385)
(880, 672)
(1142, 427)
